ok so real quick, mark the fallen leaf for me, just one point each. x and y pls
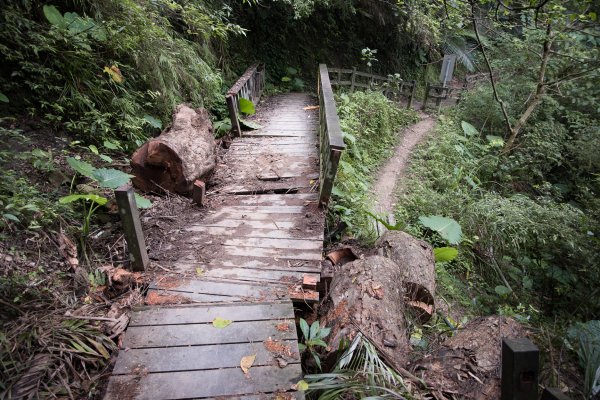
(281, 362)
(247, 362)
(283, 327)
(311, 108)
(221, 323)
(199, 271)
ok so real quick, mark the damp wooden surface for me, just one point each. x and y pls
(244, 258)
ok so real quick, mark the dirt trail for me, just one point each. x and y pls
(395, 168)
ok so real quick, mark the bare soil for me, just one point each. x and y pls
(395, 169)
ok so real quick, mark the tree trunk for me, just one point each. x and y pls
(417, 266)
(367, 296)
(181, 154)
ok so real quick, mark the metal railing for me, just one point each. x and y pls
(250, 87)
(391, 88)
(331, 138)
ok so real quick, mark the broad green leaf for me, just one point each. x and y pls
(53, 15)
(286, 79)
(82, 167)
(3, 98)
(10, 217)
(87, 197)
(314, 329)
(502, 290)
(291, 71)
(324, 332)
(142, 202)
(468, 129)
(448, 228)
(109, 144)
(304, 328)
(106, 158)
(98, 33)
(301, 347)
(152, 121)
(444, 254)
(93, 149)
(302, 386)
(249, 124)
(246, 106)
(111, 178)
(317, 359)
(221, 323)
(318, 342)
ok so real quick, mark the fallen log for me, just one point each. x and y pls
(416, 261)
(183, 153)
(367, 296)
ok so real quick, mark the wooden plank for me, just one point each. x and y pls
(189, 262)
(199, 384)
(272, 253)
(265, 133)
(214, 288)
(258, 275)
(293, 199)
(196, 314)
(159, 297)
(171, 359)
(264, 209)
(203, 334)
(268, 243)
(297, 217)
(248, 223)
(256, 233)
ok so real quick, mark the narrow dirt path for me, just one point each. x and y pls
(391, 173)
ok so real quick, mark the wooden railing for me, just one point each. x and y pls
(392, 88)
(250, 87)
(331, 138)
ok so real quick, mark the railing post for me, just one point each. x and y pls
(352, 79)
(412, 94)
(132, 227)
(424, 106)
(520, 369)
(232, 106)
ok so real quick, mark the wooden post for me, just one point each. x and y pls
(440, 95)
(424, 106)
(199, 192)
(412, 94)
(330, 171)
(520, 369)
(352, 79)
(339, 76)
(132, 227)
(235, 123)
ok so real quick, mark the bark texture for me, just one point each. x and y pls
(367, 296)
(417, 270)
(183, 153)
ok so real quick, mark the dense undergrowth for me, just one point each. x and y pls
(371, 125)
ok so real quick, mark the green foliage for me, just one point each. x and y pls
(370, 124)
(313, 338)
(246, 106)
(361, 373)
(445, 254)
(112, 70)
(531, 243)
(291, 81)
(586, 341)
(448, 228)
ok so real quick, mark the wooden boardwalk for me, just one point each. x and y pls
(257, 250)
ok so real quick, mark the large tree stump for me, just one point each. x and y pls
(416, 261)
(367, 296)
(178, 157)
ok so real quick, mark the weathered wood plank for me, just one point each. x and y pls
(272, 253)
(215, 288)
(264, 209)
(201, 384)
(203, 334)
(248, 223)
(296, 199)
(268, 243)
(171, 359)
(260, 275)
(256, 233)
(196, 314)
(247, 215)
(189, 262)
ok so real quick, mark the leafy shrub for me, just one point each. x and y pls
(370, 124)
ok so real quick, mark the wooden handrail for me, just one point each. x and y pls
(250, 87)
(391, 88)
(331, 137)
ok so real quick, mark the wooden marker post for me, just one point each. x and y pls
(132, 227)
(520, 369)
(199, 192)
